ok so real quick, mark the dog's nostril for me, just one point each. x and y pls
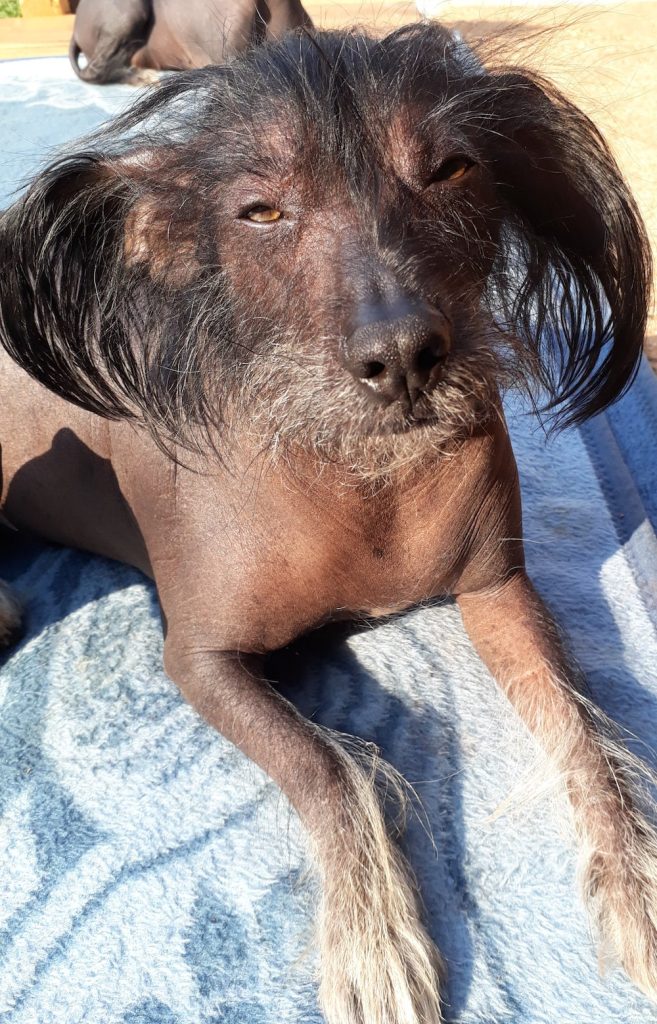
(427, 358)
(372, 369)
(399, 358)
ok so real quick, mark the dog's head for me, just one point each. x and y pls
(333, 241)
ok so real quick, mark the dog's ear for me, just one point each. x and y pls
(580, 270)
(83, 254)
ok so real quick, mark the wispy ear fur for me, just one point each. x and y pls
(574, 283)
(111, 291)
(102, 278)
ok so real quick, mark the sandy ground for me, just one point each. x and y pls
(604, 57)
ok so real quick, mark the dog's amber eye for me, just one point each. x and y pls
(262, 214)
(453, 168)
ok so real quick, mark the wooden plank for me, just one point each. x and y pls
(35, 37)
(44, 8)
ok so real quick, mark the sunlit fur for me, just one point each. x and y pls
(378, 963)
(611, 792)
(116, 291)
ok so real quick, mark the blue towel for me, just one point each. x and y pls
(150, 874)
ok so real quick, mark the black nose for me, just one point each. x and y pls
(397, 355)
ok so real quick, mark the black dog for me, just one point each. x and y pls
(281, 311)
(122, 38)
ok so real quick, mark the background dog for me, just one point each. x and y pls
(276, 303)
(123, 38)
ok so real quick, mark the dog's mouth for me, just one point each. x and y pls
(338, 420)
(401, 422)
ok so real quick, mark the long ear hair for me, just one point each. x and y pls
(96, 257)
(573, 284)
(61, 253)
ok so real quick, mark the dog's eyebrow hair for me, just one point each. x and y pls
(261, 165)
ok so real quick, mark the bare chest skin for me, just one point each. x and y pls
(249, 558)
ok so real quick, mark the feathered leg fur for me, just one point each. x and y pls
(606, 784)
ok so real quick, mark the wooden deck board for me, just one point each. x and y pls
(35, 37)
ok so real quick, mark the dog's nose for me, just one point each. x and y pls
(399, 357)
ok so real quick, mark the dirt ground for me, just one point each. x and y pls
(604, 57)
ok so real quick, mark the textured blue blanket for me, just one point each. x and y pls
(149, 874)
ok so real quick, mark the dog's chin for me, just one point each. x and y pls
(399, 420)
(404, 444)
(401, 426)
(447, 412)
(335, 422)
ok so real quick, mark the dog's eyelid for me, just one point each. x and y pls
(260, 213)
(453, 168)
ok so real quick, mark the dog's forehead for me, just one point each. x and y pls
(309, 108)
(286, 133)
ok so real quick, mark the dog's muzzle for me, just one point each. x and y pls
(397, 352)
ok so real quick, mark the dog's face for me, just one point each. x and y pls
(354, 250)
(334, 242)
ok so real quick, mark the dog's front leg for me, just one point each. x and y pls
(378, 965)
(518, 640)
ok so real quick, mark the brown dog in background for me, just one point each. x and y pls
(122, 39)
(276, 303)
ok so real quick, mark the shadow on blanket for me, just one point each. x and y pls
(324, 677)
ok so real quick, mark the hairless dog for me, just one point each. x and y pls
(273, 307)
(127, 40)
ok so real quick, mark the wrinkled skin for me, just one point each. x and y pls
(308, 299)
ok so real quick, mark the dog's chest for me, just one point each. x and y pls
(397, 554)
(326, 556)
(291, 554)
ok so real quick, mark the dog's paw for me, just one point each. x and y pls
(10, 616)
(144, 76)
(379, 965)
(621, 887)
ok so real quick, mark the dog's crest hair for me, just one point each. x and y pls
(569, 284)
